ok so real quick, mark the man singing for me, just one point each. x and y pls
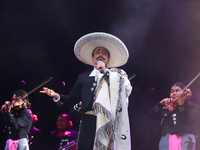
(103, 91)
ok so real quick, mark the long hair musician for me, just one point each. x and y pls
(19, 121)
(179, 119)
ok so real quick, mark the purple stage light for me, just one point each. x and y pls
(63, 83)
(23, 82)
(152, 90)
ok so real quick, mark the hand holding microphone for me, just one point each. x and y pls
(101, 66)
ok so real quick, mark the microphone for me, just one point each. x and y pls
(100, 68)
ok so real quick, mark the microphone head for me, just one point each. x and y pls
(100, 68)
(98, 61)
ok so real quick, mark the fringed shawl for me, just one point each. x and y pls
(110, 107)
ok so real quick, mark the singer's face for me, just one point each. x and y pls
(102, 54)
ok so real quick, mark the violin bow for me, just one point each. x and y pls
(37, 87)
(191, 81)
(188, 84)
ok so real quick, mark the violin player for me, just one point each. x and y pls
(19, 121)
(179, 119)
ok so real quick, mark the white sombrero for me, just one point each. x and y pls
(86, 44)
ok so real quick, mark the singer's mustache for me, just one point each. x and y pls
(100, 58)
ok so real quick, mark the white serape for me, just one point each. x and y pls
(110, 107)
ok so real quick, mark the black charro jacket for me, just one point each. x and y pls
(81, 91)
(184, 119)
(18, 125)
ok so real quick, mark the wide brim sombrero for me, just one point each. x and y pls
(86, 44)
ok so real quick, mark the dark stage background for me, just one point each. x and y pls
(37, 40)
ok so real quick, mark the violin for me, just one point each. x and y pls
(187, 93)
(9, 107)
(14, 108)
(175, 103)
(17, 106)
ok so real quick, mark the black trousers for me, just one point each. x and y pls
(87, 132)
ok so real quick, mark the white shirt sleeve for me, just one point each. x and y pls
(56, 100)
